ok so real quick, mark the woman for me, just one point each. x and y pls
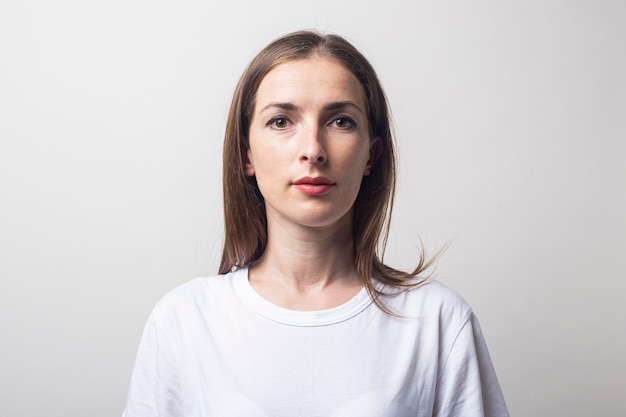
(305, 319)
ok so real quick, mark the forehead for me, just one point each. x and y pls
(312, 80)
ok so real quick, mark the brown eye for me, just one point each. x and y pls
(343, 123)
(278, 123)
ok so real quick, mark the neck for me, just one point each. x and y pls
(307, 268)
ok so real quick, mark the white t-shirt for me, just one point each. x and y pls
(213, 347)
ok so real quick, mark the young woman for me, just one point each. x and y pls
(305, 320)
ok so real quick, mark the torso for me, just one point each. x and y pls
(240, 355)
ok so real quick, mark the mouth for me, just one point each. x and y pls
(313, 185)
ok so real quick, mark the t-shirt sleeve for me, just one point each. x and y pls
(468, 385)
(154, 388)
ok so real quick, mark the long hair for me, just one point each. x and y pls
(244, 209)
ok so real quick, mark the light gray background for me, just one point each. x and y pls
(510, 119)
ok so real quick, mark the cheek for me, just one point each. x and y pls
(267, 171)
(356, 159)
(265, 158)
(354, 166)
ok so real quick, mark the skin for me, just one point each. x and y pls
(309, 121)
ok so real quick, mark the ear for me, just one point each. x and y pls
(376, 150)
(248, 166)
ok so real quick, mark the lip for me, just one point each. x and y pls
(313, 185)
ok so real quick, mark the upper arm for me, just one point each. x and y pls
(467, 385)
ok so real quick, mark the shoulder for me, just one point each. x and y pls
(430, 300)
(197, 296)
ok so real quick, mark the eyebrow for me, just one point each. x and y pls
(341, 105)
(337, 105)
(283, 106)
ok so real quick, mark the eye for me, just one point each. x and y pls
(279, 122)
(343, 123)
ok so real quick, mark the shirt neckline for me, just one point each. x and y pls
(253, 300)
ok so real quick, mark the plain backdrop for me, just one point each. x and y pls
(510, 121)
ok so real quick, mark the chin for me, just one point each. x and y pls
(325, 219)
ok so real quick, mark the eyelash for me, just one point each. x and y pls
(272, 122)
(345, 119)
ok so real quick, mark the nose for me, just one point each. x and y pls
(313, 150)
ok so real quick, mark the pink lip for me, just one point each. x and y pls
(313, 186)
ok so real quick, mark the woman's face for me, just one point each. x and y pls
(309, 142)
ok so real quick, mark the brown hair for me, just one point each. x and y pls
(244, 208)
